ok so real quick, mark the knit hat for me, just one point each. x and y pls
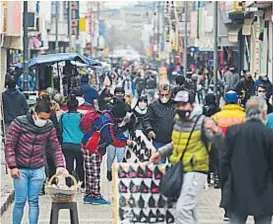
(119, 109)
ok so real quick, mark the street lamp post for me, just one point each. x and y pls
(25, 45)
(185, 38)
(57, 27)
(215, 52)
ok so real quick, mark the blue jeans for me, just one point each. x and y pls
(241, 219)
(112, 152)
(157, 145)
(28, 187)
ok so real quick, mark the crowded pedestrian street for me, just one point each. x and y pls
(136, 112)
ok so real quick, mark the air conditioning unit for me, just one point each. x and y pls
(48, 25)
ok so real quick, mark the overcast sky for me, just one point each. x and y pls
(117, 4)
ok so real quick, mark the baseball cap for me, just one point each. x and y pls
(182, 96)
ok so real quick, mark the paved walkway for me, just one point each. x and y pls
(208, 210)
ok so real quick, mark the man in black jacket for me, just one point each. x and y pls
(14, 102)
(245, 88)
(158, 122)
(246, 169)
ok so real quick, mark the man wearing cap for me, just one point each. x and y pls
(264, 81)
(231, 114)
(189, 137)
(109, 134)
(261, 91)
(158, 121)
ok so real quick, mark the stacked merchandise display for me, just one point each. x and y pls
(137, 198)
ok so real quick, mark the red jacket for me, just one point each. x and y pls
(26, 144)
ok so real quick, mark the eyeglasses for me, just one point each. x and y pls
(261, 91)
(162, 95)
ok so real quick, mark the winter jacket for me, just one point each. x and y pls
(245, 89)
(196, 157)
(267, 84)
(160, 119)
(110, 134)
(230, 114)
(90, 93)
(26, 144)
(231, 80)
(128, 86)
(150, 83)
(211, 107)
(70, 127)
(139, 114)
(246, 169)
(14, 105)
(103, 101)
(140, 83)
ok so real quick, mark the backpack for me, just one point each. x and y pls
(93, 143)
(86, 123)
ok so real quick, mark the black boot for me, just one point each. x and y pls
(154, 188)
(144, 188)
(157, 173)
(132, 202)
(122, 187)
(141, 202)
(140, 172)
(161, 202)
(135, 217)
(109, 175)
(142, 217)
(133, 187)
(122, 201)
(132, 173)
(152, 218)
(159, 216)
(169, 217)
(148, 173)
(151, 202)
(122, 173)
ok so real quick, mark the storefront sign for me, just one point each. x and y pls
(75, 16)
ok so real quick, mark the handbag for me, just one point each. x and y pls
(172, 180)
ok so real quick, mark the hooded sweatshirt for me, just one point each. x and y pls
(211, 107)
(14, 104)
(89, 92)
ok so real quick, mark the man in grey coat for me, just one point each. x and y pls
(231, 79)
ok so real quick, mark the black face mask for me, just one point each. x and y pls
(183, 113)
(11, 85)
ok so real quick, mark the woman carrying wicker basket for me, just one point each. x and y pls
(25, 155)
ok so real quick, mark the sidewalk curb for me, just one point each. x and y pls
(7, 200)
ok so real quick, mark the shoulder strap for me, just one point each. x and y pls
(188, 141)
(104, 127)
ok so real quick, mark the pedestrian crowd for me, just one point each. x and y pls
(228, 147)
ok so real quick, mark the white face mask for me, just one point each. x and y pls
(164, 100)
(142, 105)
(262, 95)
(39, 122)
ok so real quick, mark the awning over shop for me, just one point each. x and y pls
(233, 33)
(247, 27)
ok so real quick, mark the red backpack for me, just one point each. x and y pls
(88, 119)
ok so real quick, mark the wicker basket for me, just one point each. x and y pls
(59, 194)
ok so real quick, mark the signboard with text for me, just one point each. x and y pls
(75, 16)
